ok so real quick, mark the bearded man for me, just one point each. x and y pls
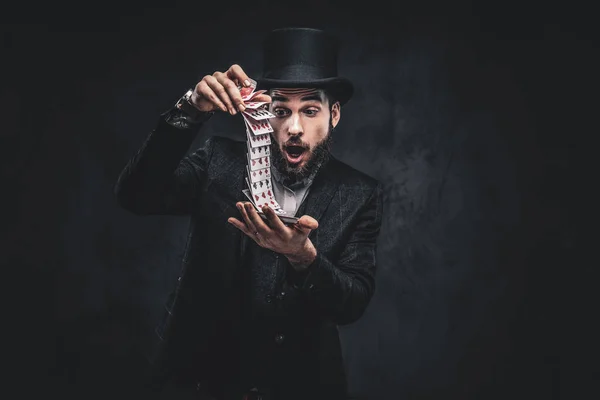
(256, 309)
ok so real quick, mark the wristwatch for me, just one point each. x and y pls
(189, 111)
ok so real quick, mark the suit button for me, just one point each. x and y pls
(311, 287)
(279, 338)
(269, 298)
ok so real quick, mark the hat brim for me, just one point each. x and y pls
(341, 88)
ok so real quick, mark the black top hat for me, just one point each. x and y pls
(303, 57)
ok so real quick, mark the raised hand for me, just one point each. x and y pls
(290, 241)
(219, 91)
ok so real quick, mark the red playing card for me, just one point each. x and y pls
(255, 104)
(257, 93)
(246, 91)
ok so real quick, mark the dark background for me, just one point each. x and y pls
(471, 116)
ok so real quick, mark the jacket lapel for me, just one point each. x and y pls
(322, 190)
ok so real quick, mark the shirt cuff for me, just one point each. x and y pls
(179, 119)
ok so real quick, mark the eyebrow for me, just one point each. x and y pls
(310, 97)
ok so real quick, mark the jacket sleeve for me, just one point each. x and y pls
(341, 289)
(160, 179)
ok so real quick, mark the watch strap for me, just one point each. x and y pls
(191, 113)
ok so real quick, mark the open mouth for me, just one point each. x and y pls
(294, 154)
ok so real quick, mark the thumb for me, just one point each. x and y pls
(262, 98)
(306, 222)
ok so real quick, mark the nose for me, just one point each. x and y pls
(295, 128)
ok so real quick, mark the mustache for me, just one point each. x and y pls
(295, 141)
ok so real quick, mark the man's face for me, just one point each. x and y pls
(302, 128)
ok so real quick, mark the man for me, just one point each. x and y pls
(257, 304)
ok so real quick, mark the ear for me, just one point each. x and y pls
(336, 113)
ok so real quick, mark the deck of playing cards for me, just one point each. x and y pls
(258, 170)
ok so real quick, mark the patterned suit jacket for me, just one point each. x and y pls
(200, 336)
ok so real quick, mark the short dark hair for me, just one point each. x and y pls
(330, 98)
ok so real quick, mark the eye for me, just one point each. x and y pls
(311, 112)
(280, 112)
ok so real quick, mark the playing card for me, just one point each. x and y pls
(263, 197)
(265, 201)
(257, 152)
(258, 127)
(258, 114)
(253, 95)
(259, 163)
(247, 92)
(254, 104)
(258, 189)
(286, 219)
(248, 176)
(260, 186)
(258, 168)
(276, 207)
(249, 196)
(260, 194)
(260, 140)
(259, 175)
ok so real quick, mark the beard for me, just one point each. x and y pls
(315, 157)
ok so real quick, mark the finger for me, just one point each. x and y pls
(235, 72)
(246, 218)
(274, 222)
(216, 86)
(307, 223)
(247, 221)
(205, 91)
(232, 90)
(257, 221)
(262, 97)
(241, 226)
(301, 229)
